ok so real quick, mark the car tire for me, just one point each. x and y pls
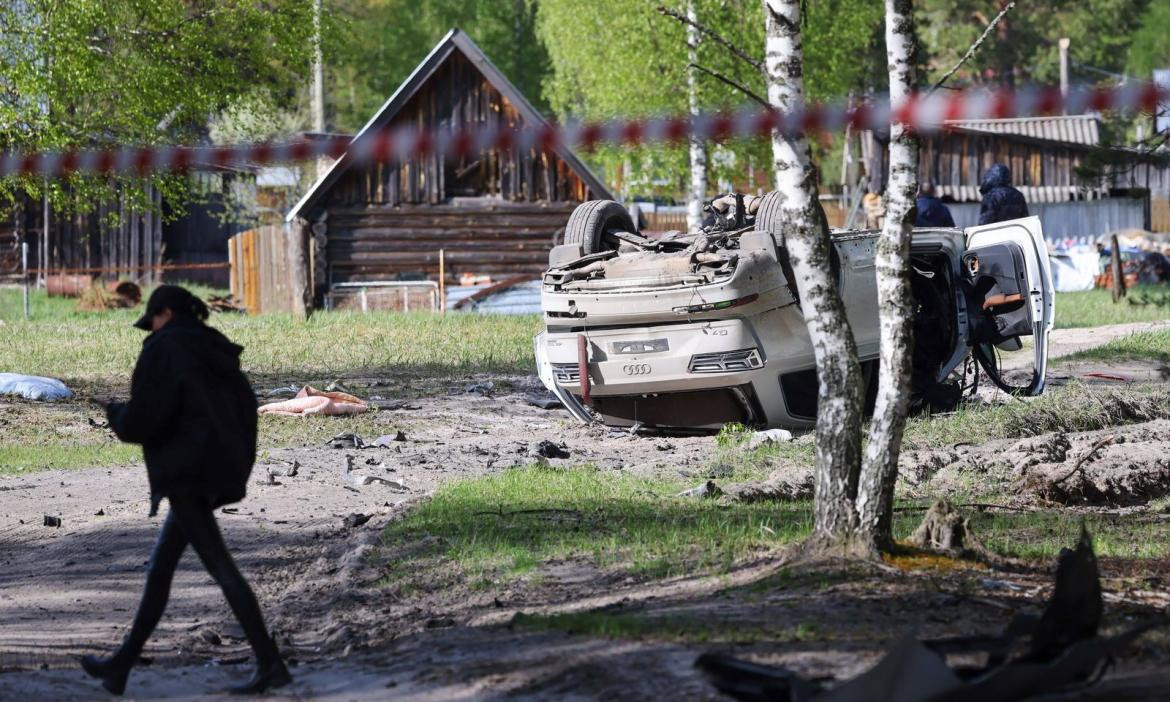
(591, 222)
(769, 218)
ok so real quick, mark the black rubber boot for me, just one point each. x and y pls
(267, 677)
(111, 671)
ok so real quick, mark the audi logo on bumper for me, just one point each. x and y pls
(636, 369)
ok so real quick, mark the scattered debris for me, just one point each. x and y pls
(1062, 649)
(484, 388)
(296, 467)
(96, 424)
(225, 303)
(389, 439)
(547, 449)
(100, 513)
(355, 519)
(545, 401)
(771, 436)
(210, 636)
(707, 489)
(52, 521)
(313, 401)
(347, 440)
(361, 480)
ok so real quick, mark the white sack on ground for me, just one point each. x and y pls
(33, 387)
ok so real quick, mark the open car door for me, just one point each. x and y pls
(1010, 293)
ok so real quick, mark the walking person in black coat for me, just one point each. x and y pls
(194, 413)
(1001, 201)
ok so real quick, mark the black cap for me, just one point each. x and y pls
(177, 299)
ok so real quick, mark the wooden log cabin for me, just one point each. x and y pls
(495, 213)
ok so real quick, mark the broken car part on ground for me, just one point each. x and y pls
(696, 330)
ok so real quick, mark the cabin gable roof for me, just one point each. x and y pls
(454, 41)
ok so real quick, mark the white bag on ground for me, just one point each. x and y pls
(33, 387)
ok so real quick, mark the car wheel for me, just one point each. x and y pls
(770, 218)
(591, 223)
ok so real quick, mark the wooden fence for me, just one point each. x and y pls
(270, 269)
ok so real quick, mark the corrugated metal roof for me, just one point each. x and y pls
(1032, 193)
(1070, 129)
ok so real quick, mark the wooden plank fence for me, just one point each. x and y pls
(270, 270)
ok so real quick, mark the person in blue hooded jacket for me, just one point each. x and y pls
(931, 212)
(1001, 201)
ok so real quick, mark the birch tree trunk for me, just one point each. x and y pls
(806, 238)
(697, 190)
(895, 305)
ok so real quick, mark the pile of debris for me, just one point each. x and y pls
(1033, 655)
(114, 295)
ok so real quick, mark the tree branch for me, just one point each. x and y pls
(738, 86)
(738, 52)
(974, 47)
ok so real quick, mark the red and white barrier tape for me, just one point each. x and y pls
(927, 114)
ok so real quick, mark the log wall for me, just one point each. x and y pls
(499, 239)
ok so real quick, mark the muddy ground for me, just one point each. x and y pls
(72, 589)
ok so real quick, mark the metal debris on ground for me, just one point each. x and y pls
(296, 467)
(707, 489)
(484, 388)
(389, 439)
(351, 478)
(548, 449)
(771, 436)
(51, 521)
(347, 440)
(545, 401)
(1032, 656)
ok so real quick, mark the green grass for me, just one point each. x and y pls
(1094, 308)
(17, 458)
(1036, 535)
(1139, 346)
(488, 532)
(62, 342)
(506, 525)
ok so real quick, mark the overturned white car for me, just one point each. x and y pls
(696, 330)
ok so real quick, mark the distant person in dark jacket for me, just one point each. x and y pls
(1001, 201)
(931, 211)
(194, 413)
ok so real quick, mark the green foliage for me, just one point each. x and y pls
(624, 58)
(1023, 47)
(114, 72)
(1150, 48)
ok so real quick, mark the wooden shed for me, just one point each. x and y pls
(495, 213)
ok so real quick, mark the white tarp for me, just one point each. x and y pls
(33, 387)
(1074, 269)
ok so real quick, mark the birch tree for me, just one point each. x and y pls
(806, 238)
(895, 302)
(697, 151)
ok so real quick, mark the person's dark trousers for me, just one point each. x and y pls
(192, 521)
